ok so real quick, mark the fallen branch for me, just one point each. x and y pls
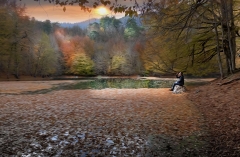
(225, 83)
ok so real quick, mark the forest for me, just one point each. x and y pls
(198, 38)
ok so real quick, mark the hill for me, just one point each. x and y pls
(84, 24)
(219, 104)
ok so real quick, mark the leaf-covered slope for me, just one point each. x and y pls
(219, 103)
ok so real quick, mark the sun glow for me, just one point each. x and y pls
(102, 11)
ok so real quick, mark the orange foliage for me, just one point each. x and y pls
(68, 52)
(70, 46)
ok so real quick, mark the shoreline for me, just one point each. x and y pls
(65, 78)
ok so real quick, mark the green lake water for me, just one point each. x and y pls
(125, 83)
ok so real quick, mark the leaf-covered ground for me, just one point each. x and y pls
(219, 102)
(108, 122)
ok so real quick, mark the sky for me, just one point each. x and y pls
(47, 11)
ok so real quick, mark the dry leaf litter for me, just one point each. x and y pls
(108, 122)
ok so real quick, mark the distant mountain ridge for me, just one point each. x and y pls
(84, 24)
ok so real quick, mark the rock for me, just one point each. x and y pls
(179, 89)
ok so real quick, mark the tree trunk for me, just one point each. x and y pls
(9, 64)
(218, 52)
(36, 69)
(16, 62)
(229, 40)
(232, 35)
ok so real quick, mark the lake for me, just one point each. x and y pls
(126, 83)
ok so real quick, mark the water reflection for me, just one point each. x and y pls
(120, 83)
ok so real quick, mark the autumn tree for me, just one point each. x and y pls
(82, 65)
(45, 57)
(112, 54)
(206, 27)
(101, 59)
(47, 26)
(75, 31)
(13, 34)
(164, 49)
(110, 26)
(94, 31)
(7, 24)
(132, 30)
(219, 15)
(76, 50)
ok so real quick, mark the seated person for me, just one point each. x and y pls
(180, 81)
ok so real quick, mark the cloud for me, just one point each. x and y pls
(56, 14)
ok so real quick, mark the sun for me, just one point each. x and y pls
(102, 11)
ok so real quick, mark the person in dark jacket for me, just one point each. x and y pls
(180, 81)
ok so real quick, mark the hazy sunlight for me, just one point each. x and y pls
(102, 11)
